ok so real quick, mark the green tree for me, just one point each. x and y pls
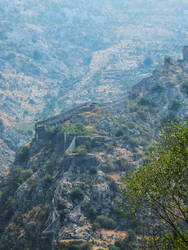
(161, 185)
(77, 194)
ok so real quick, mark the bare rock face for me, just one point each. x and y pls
(185, 53)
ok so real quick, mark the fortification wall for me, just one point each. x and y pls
(59, 119)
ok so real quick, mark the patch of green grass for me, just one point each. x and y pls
(78, 129)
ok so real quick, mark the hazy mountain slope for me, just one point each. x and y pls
(56, 54)
(81, 50)
(67, 179)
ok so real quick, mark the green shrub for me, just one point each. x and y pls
(93, 170)
(158, 88)
(19, 175)
(109, 148)
(23, 154)
(88, 181)
(114, 248)
(96, 226)
(133, 142)
(77, 194)
(105, 222)
(130, 124)
(119, 132)
(62, 214)
(7, 141)
(141, 115)
(122, 164)
(113, 186)
(180, 77)
(96, 143)
(19, 219)
(134, 94)
(144, 142)
(32, 225)
(49, 165)
(119, 244)
(133, 108)
(129, 243)
(32, 182)
(76, 245)
(170, 117)
(145, 101)
(47, 179)
(90, 211)
(9, 203)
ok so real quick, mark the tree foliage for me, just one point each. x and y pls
(161, 185)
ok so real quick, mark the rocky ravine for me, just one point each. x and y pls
(64, 185)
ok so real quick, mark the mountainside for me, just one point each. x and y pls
(58, 54)
(64, 185)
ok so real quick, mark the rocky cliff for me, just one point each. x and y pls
(64, 186)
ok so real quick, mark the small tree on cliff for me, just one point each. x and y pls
(161, 185)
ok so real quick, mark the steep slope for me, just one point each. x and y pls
(58, 54)
(64, 186)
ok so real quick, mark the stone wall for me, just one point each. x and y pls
(59, 119)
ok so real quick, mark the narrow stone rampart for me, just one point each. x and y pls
(55, 121)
